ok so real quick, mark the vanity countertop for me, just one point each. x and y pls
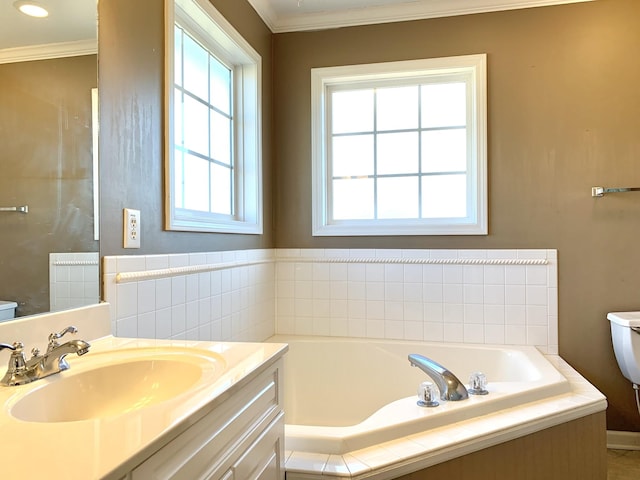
(110, 446)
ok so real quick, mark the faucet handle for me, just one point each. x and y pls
(53, 337)
(8, 347)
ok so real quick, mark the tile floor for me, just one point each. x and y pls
(623, 464)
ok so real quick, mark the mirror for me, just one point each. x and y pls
(48, 204)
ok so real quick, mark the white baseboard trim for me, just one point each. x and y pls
(623, 440)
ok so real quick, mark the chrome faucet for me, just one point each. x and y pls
(450, 387)
(22, 371)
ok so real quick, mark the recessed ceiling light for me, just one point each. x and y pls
(32, 9)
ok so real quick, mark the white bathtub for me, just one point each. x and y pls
(342, 395)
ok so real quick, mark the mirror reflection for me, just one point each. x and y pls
(48, 204)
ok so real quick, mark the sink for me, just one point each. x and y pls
(116, 383)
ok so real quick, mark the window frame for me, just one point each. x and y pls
(205, 24)
(473, 68)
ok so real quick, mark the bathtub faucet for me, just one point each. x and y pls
(450, 387)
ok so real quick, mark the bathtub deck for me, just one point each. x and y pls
(565, 430)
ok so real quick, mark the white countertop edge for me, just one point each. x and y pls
(386, 461)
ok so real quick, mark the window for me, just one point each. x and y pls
(213, 146)
(400, 148)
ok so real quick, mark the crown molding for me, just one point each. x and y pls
(48, 51)
(414, 10)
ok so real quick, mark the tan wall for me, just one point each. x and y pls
(563, 115)
(131, 125)
(45, 163)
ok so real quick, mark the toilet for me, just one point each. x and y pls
(7, 310)
(625, 333)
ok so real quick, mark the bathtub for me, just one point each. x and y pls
(350, 395)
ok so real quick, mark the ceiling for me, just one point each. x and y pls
(297, 15)
(68, 21)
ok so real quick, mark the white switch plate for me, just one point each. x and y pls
(131, 228)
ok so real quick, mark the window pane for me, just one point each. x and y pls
(352, 111)
(397, 153)
(352, 156)
(398, 197)
(444, 150)
(220, 86)
(397, 108)
(178, 179)
(444, 105)
(444, 196)
(220, 189)
(177, 117)
(353, 199)
(220, 137)
(177, 56)
(196, 126)
(196, 68)
(196, 183)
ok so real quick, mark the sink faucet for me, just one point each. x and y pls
(450, 387)
(22, 371)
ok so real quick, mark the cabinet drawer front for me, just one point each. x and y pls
(206, 447)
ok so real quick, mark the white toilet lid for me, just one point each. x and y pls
(626, 319)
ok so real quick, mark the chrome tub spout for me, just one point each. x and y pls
(450, 387)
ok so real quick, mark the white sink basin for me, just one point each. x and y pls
(115, 383)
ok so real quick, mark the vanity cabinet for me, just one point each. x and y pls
(241, 438)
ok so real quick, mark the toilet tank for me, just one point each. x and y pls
(626, 343)
(7, 310)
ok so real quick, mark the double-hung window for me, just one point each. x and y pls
(400, 148)
(213, 128)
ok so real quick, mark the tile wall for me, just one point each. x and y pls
(73, 280)
(227, 296)
(471, 296)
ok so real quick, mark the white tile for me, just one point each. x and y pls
(515, 335)
(178, 290)
(433, 312)
(453, 294)
(321, 290)
(537, 335)
(374, 272)
(178, 319)
(110, 265)
(303, 289)
(472, 253)
(473, 314)
(204, 285)
(453, 333)
(375, 310)
(357, 327)
(494, 294)
(413, 292)
(432, 274)
(553, 301)
(432, 293)
(388, 253)
(502, 254)
(303, 271)
(339, 272)
(339, 326)
(394, 292)
(127, 327)
(127, 296)
(494, 275)
(413, 311)
(130, 263)
(394, 310)
(321, 308)
(413, 330)
(453, 313)
(433, 332)
(536, 275)
(473, 274)
(285, 271)
(375, 329)
(494, 314)
(515, 314)
(473, 333)
(473, 294)
(163, 323)
(204, 311)
(413, 273)
(357, 309)
(304, 307)
(322, 326)
(357, 290)
(178, 260)
(393, 330)
(375, 291)
(494, 334)
(146, 296)
(394, 273)
(339, 308)
(444, 253)
(192, 287)
(321, 272)
(452, 274)
(537, 315)
(515, 295)
(306, 462)
(357, 272)
(192, 315)
(339, 290)
(532, 254)
(336, 252)
(515, 275)
(147, 325)
(536, 295)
